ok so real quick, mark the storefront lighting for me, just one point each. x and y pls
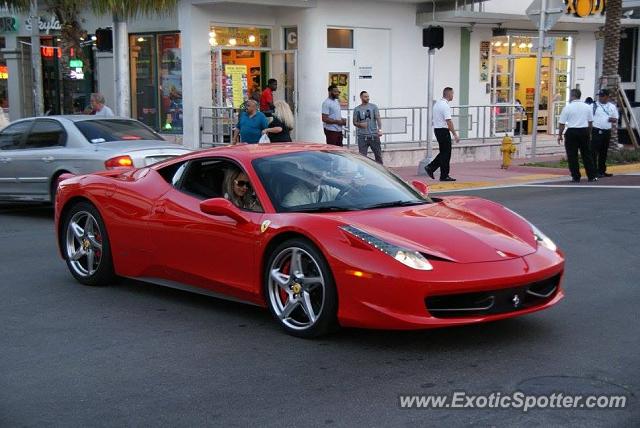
(513, 45)
(141, 39)
(252, 38)
(212, 33)
(498, 44)
(522, 45)
(233, 42)
(213, 41)
(529, 45)
(94, 38)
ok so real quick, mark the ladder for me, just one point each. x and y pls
(629, 119)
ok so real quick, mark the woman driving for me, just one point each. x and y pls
(237, 188)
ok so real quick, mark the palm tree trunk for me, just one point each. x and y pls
(611, 55)
(36, 60)
(121, 60)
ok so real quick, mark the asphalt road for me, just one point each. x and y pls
(137, 354)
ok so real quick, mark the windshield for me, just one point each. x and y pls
(331, 181)
(103, 131)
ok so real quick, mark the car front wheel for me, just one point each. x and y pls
(300, 289)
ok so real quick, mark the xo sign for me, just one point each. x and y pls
(583, 8)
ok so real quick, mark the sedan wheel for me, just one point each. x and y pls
(300, 289)
(86, 246)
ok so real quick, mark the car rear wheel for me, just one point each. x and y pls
(86, 246)
(300, 289)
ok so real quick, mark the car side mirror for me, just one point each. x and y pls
(421, 187)
(223, 207)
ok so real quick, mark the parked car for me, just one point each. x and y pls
(319, 235)
(34, 152)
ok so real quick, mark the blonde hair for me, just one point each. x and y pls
(284, 113)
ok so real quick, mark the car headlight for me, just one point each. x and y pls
(541, 238)
(407, 257)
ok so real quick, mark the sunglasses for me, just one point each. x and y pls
(242, 183)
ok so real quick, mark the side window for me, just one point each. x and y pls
(46, 133)
(11, 137)
(204, 178)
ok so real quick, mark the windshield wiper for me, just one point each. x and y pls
(393, 204)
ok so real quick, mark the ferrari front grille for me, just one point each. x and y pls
(494, 301)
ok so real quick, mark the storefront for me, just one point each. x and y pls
(513, 61)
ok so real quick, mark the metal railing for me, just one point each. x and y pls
(401, 125)
(216, 125)
(408, 125)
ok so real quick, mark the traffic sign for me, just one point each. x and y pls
(554, 10)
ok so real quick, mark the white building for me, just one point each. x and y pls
(215, 53)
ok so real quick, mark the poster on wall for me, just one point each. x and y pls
(485, 48)
(235, 87)
(341, 80)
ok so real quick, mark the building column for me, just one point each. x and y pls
(17, 100)
(193, 24)
(465, 50)
(105, 76)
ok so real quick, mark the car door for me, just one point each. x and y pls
(11, 139)
(37, 162)
(212, 252)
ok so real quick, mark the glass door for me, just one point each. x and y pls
(561, 83)
(284, 68)
(502, 92)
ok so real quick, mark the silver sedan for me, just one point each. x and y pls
(34, 152)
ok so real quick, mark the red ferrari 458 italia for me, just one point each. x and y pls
(321, 236)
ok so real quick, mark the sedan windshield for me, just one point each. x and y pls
(318, 181)
(103, 131)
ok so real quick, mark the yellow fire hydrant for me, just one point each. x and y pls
(507, 149)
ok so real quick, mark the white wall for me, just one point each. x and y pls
(507, 6)
(585, 54)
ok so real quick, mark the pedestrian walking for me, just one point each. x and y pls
(577, 118)
(99, 108)
(605, 114)
(366, 119)
(279, 130)
(332, 117)
(266, 99)
(250, 124)
(443, 128)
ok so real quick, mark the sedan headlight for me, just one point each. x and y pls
(407, 257)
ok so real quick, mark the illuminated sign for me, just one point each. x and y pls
(75, 63)
(4, 72)
(584, 8)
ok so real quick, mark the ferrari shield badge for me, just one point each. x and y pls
(265, 226)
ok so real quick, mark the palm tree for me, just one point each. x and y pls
(611, 56)
(67, 12)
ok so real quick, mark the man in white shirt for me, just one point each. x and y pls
(577, 118)
(443, 128)
(605, 113)
(98, 105)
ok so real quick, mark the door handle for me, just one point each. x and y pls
(5, 160)
(48, 159)
(159, 209)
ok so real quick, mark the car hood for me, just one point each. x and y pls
(462, 230)
(130, 146)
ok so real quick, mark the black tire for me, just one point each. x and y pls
(100, 273)
(314, 265)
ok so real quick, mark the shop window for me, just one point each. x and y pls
(156, 80)
(339, 38)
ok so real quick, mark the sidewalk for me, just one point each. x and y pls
(489, 173)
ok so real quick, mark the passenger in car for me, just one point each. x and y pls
(309, 189)
(237, 188)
